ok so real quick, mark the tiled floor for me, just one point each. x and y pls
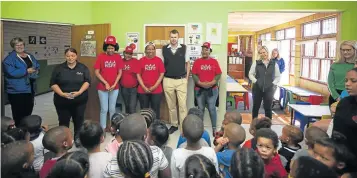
(44, 107)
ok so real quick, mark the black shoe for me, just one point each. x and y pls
(173, 129)
(214, 132)
(77, 142)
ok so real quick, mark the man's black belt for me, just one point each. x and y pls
(177, 77)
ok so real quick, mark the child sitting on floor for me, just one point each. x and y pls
(57, 140)
(290, 139)
(205, 139)
(15, 134)
(311, 135)
(247, 163)
(7, 123)
(305, 167)
(267, 145)
(113, 146)
(255, 125)
(230, 117)
(16, 160)
(192, 128)
(32, 124)
(234, 136)
(197, 166)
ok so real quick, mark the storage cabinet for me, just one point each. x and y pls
(236, 67)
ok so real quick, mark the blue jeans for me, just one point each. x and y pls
(204, 99)
(107, 100)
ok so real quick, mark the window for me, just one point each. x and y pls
(312, 29)
(329, 26)
(280, 35)
(292, 57)
(265, 37)
(289, 33)
(317, 58)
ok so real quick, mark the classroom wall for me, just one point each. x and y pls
(131, 17)
(298, 24)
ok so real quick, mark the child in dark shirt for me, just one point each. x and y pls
(7, 123)
(267, 144)
(16, 160)
(255, 125)
(290, 139)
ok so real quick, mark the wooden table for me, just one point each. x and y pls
(309, 111)
(300, 92)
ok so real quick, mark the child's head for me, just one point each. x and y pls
(235, 134)
(259, 123)
(291, 135)
(7, 123)
(232, 117)
(192, 127)
(73, 164)
(159, 133)
(58, 139)
(149, 115)
(332, 152)
(32, 124)
(199, 166)
(91, 135)
(117, 118)
(132, 165)
(16, 156)
(267, 143)
(133, 127)
(197, 112)
(312, 134)
(247, 163)
(15, 134)
(306, 166)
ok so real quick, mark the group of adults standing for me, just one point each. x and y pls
(145, 80)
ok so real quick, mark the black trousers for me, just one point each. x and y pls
(67, 109)
(21, 105)
(130, 97)
(330, 98)
(267, 96)
(152, 101)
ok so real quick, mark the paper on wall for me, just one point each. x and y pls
(214, 33)
(194, 28)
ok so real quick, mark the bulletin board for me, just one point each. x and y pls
(160, 35)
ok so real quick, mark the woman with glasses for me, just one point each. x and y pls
(150, 78)
(265, 75)
(20, 72)
(338, 70)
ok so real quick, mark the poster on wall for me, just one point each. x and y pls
(214, 33)
(194, 39)
(133, 38)
(89, 48)
(194, 28)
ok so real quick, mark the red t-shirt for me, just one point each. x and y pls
(248, 144)
(46, 168)
(131, 68)
(274, 168)
(206, 69)
(109, 67)
(150, 70)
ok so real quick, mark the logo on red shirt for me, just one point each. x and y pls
(150, 67)
(205, 67)
(126, 67)
(354, 118)
(109, 64)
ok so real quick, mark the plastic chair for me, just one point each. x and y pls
(282, 97)
(231, 102)
(316, 100)
(244, 98)
(289, 99)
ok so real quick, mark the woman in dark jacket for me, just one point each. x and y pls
(20, 72)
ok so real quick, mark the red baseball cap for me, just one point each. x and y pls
(129, 49)
(206, 45)
(110, 40)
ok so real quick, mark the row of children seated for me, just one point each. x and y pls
(139, 149)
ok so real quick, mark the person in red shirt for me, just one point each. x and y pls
(150, 77)
(108, 69)
(129, 81)
(206, 74)
(267, 145)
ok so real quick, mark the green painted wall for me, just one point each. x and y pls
(50, 11)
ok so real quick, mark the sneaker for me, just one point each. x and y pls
(173, 129)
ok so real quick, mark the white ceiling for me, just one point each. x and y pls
(256, 21)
